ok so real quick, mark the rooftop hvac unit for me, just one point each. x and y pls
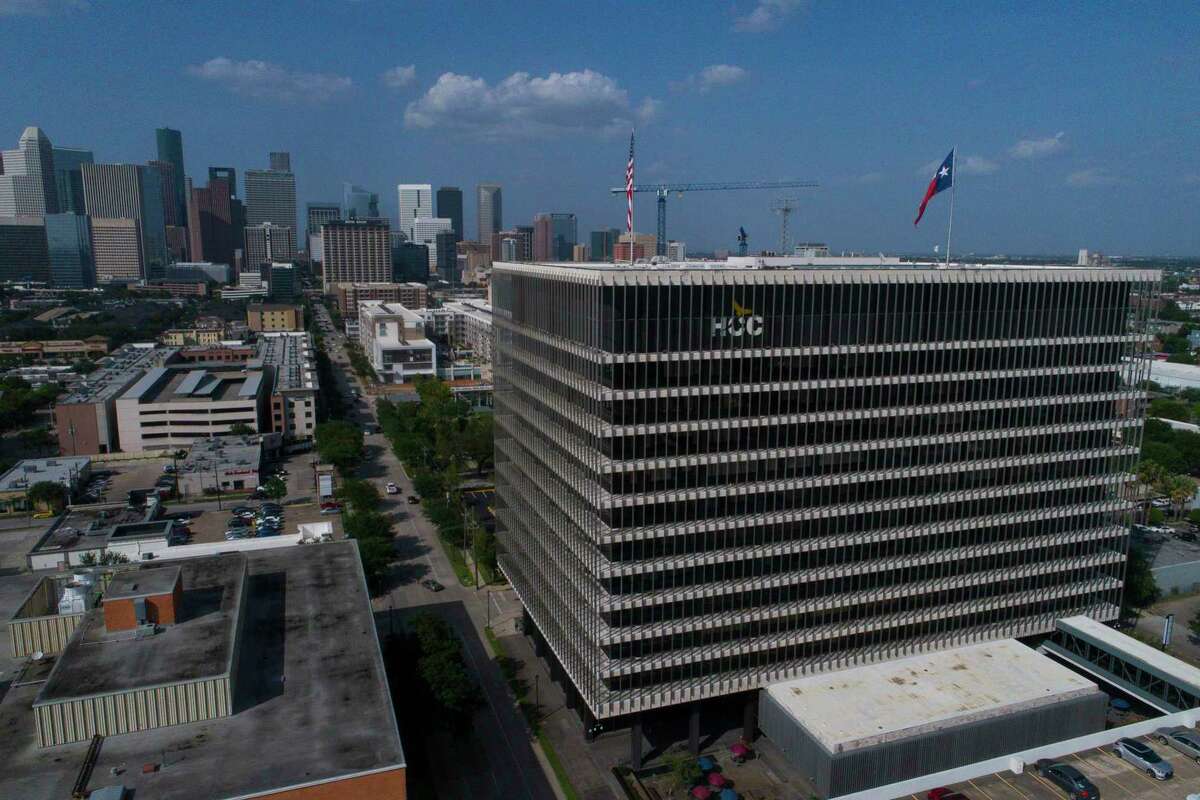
(74, 599)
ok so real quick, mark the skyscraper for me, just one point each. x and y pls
(130, 191)
(166, 171)
(227, 174)
(69, 245)
(554, 237)
(359, 203)
(117, 250)
(489, 209)
(170, 149)
(603, 242)
(416, 200)
(425, 231)
(268, 243)
(711, 479)
(28, 184)
(270, 197)
(356, 251)
(23, 253)
(450, 206)
(446, 256)
(410, 262)
(320, 213)
(210, 223)
(68, 178)
(281, 161)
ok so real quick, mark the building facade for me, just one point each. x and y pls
(603, 243)
(359, 203)
(210, 223)
(393, 339)
(710, 479)
(416, 200)
(489, 208)
(318, 214)
(356, 251)
(268, 243)
(348, 295)
(23, 250)
(27, 182)
(425, 231)
(167, 181)
(68, 178)
(450, 206)
(554, 237)
(270, 197)
(130, 191)
(170, 150)
(69, 245)
(117, 250)
(273, 318)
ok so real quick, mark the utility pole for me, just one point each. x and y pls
(784, 208)
(217, 483)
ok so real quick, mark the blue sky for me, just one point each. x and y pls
(1078, 124)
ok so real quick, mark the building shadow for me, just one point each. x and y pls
(199, 603)
(258, 672)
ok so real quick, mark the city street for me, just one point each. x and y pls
(499, 760)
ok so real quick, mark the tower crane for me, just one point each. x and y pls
(664, 189)
(784, 207)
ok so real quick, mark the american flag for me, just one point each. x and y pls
(629, 189)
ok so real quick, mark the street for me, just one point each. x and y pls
(499, 760)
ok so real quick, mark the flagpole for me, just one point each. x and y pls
(953, 189)
(629, 227)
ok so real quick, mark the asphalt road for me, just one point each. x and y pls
(498, 761)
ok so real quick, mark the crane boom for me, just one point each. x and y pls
(664, 189)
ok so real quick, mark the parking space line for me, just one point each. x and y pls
(975, 786)
(1054, 790)
(1110, 755)
(1095, 776)
(1011, 786)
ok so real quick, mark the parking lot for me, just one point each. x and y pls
(1114, 777)
(120, 477)
(210, 524)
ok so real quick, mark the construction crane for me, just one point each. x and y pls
(664, 189)
(743, 241)
(784, 208)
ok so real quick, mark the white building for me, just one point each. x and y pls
(393, 338)
(416, 200)
(425, 230)
(677, 251)
(173, 407)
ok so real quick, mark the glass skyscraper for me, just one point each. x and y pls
(450, 206)
(711, 479)
(170, 149)
(69, 178)
(69, 243)
(359, 203)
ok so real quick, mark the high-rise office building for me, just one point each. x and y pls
(359, 203)
(410, 262)
(284, 282)
(712, 479)
(508, 248)
(227, 174)
(356, 251)
(424, 231)
(130, 191)
(450, 206)
(280, 161)
(23, 253)
(603, 242)
(446, 256)
(490, 210)
(416, 200)
(210, 223)
(68, 178)
(554, 237)
(27, 181)
(676, 250)
(320, 213)
(269, 243)
(170, 149)
(117, 250)
(166, 172)
(522, 236)
(270, 197)
(69, 246)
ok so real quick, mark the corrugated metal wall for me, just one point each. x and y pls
(48, 634)
(931, 752)
(138, 710)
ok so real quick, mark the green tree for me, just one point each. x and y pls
(1141, 590)
(377, 556)
(1194, 624)
(1194, 516)
(683, 769)
(428, 484)
(340, 443)
(367, 525)
(478, 440)
(1180, 489)
(240, 429)
(1170, 409)
(484, 549)
(359, 494)
(48, 495)
(275, 488)
(441, 669)
(1184, 357)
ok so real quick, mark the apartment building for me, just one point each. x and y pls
(393, 338)
(714, 477)
(273, 318)
(349, 295)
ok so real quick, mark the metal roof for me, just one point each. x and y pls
(1129, 649)
(146, 383)
(189, 384)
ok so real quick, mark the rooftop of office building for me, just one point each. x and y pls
(117, 370)
(60, 469)
(797, 263)
(304, 614)
(293, 357)
(222, 453)
(195, 383)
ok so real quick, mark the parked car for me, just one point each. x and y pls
(331, 508)
(167, 468)
(392, 488)
(235, 534)
(432, 585)
(1144, 758)
(1185, 740)
(240, 509)
(942, 793)
(237, 522)
(1187, 536)
(1069, 779)
(1161, 502)
(413, 499)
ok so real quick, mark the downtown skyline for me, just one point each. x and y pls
(1074, 125)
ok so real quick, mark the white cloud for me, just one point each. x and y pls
(717, 75)
(40, 8)
(1092, 176)
(399, 77)
(266, 80)
(869, 177)
(767, 15)
(522, 105)
(967, 165)
(1039, 148)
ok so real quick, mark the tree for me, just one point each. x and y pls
(48, 495)
(275, 488)
(484, 548)
(441, 669)
(359, 494)
(1185, 357)
(1155, 517)
(1141, 590)
(1170, 409)
(683, 769)
(367, 525)
(340, 443)
(427, 483)
(377, 556)
(241, 429)
(1194, 516)
(478, 440)
(1180, 489)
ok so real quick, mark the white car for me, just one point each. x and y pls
(392, 488)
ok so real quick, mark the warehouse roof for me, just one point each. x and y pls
(877, 703)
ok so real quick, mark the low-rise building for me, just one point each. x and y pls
(70, 471)
(175, 288)
(231, 463)
(49, 349)
(393, 339)
(178, 337)
(274, 317)
(156, 669)
(349, 295)
(85, 538)
(290, 360)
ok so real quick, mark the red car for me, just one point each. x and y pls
(331, 508)
(942, 793)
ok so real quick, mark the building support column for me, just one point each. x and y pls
(750, 718)
(694, 729)
(635, 742)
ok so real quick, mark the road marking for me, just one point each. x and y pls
(1011, 786)
(975, 786)
(1105, 777)
(1054, 789)
(1131, 767)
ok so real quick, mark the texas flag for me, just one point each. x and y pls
(942, 179)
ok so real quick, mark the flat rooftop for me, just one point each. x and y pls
(770, 264)
(195, 384)
(1151, 657)
(199, 645)
(117, 370)
(877, 703)
(142, 583)
(63, 469)
(307, 618)
(223, 452)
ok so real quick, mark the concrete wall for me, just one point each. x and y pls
(137, 710)
(868, 767)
